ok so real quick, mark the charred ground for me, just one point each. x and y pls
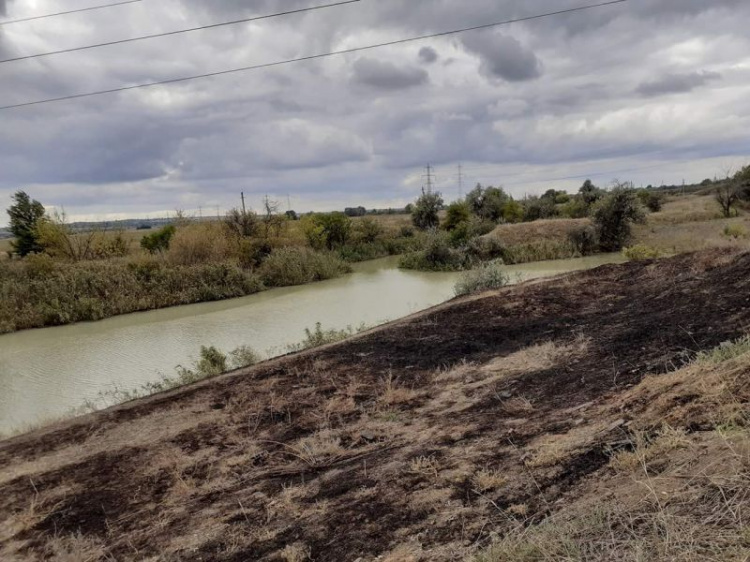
(419, 440)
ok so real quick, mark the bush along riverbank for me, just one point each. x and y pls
(40, 291)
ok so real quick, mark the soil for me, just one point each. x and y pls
(377, 446)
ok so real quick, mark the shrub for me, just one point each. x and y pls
(424, 214)
(436, 256)
(641, 252)
(200, 243)
(488, 276)
(652, 200)
(614, 216)
(735, 231)
(488, 203)
(318, 337)
(458, 214)
(159, 240)
(585, 240)
(327, 230)
(297, 266)
(368, 231)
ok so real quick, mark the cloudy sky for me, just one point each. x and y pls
(650, 91)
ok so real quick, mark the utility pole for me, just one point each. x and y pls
(460, 181)
(288, 202)
(244, 210)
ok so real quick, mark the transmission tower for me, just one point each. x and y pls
(430, 181)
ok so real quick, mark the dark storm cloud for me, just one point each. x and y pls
(676, 83)
(503, 57)
(387, 75)
(428, 55)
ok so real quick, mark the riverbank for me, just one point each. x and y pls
(49, 372)
(430, 438)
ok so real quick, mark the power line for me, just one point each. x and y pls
(311, 57)
(178, 32)
(78, 11)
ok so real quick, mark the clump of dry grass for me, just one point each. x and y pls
(75, 548)
(646, 448)
(393, 394)
(425, 466)
(537, 357)
(318, 448)
(296, 552)
(486, 480)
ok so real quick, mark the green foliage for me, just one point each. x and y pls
(488, 276)
(425, 211)
(368, 231)
(576, 208)
(537, 208)
(437, 255)
(652, 200)
(614, 216)
(297, 266)
(585, 240)
(512, 212)
(458, 213)
(487, 203)
(735, 231)
(50, 293)
(158, 241)
(589, 193)
(327, 230)
(318, 337)
(25, 216)
(541, 250)
(641, 252)
(725, 352)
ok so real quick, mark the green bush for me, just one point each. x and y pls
(641, 252)
(735, 231)
(614, 216)
(437, 255)
(585, 240)
(425, 211)
(327, 230)
(298, 266)
(486, 277)
(42, 292)
(159, 240)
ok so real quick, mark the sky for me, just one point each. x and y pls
(649, 91)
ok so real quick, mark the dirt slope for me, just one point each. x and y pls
(419, 441)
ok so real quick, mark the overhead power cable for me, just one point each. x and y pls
(78, 11)
(311, 57)
(180, 31)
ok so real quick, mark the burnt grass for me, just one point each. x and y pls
(220, 470)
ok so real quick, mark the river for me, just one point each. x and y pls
(47, 373)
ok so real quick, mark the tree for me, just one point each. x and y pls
(615, 215)
(653, 200)
(159, 240)
(424, 214)
(487, 203)
(329, 230)
(458, 213)
(26, 215)
(727, 195)
(512, 211)
(590, 193)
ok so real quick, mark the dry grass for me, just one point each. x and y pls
(553, 230)
(690, 208)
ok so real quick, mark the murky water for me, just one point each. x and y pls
(46, 373)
